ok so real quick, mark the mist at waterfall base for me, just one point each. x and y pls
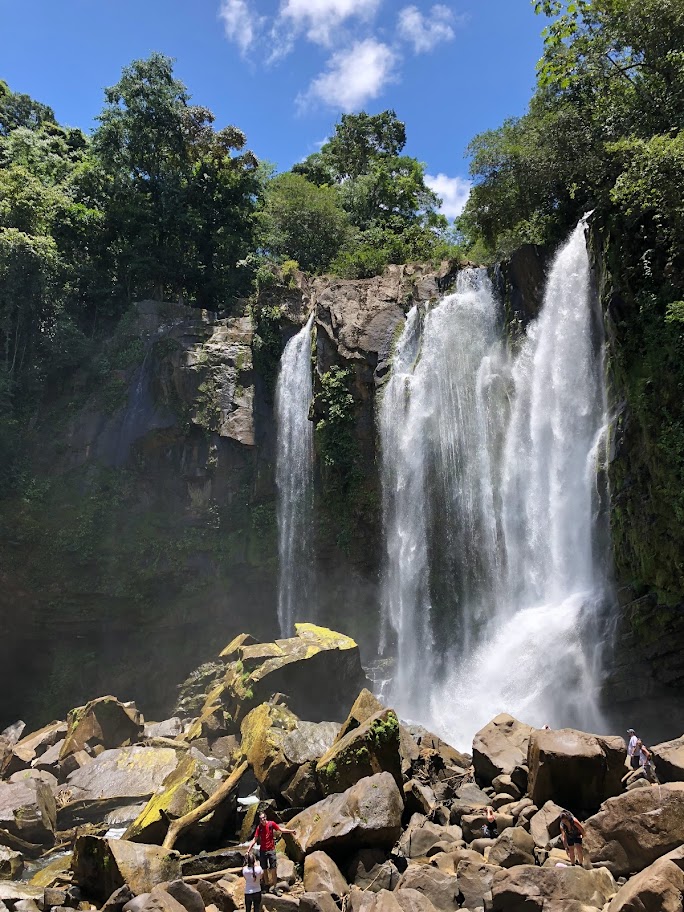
(495, 580)
(294, 478)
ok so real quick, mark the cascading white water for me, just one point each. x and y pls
(294, 480)
(489, 477)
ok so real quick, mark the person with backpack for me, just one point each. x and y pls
(252, 872)
(572, 832)
(263, 834)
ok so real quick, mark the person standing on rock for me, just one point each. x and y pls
(267, 853)
(632, 749)
(572, 832)
(252, 872)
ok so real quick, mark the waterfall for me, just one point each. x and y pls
(294, 479)
(493, 588)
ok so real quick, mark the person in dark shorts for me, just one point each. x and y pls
(267, 853)
(632, 749)
(252, 872)
(572, 832)
(490, 830)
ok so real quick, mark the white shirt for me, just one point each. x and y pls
(631, 747)
(252, 878)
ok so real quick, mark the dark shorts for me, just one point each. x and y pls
(268, 859)
(574, 840)
(634, 762)
(252, 902)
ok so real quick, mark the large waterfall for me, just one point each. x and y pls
(294, 480)
(493, 585)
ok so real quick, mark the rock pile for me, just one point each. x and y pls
(103, 811)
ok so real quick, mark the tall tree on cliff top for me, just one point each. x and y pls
(181, 203)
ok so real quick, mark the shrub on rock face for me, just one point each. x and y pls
(573, 768)
(372, 747)
(500, 747)
(632, 830)
(368, 814)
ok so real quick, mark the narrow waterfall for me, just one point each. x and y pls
(489, 480)
(294, 480)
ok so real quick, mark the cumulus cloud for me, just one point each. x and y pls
(453, 191)
(320, 19)
(424, 32)
(241, 24)
(353, 76)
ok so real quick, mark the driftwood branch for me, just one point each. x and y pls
(219, 796)
(212, 875)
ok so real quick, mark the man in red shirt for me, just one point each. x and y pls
(267, 853)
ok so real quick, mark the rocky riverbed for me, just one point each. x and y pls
(106, 811)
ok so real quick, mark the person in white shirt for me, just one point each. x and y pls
(632, 749)
(252, 873)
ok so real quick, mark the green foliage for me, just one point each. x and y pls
(267, 346)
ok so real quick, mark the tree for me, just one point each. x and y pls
(303, 221)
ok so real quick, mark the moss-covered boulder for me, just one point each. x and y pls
(104, 723)
(319, 670)
(371, 748)
(263, 733)
(101, 866)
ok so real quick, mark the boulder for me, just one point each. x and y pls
(634, 829)
(440, 888)
(421, 835)
(500, 747)
(472, 824)
(219, 895)
(272, 903)
(367, 814)
(186, 895)
(514, 846)
(322, 874)
(128, 774)
(371, 870)
(303, 789)
(11, 864)
(370, 748)
(118, 899)
(413, 901)
(469, 800)
(545, 824)
(12, 892)
(23, 752)
(317, 902)
(308, 741)
(28, 811)
(169, 728)
(574, 768)
(185, 788)
(475, 878)
(102, 723)
(668, 758)
(658, 888)
(100, 866)
(263, 734)
(419, 798)
(160, 900)
(526, 888)
(364, 706)
(285, 868)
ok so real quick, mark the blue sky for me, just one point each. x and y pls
(284, 70)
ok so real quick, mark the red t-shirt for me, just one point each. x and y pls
(264, 835)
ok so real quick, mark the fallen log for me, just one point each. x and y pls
(213, 875)
(176, 827)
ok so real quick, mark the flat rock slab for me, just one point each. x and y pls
(127, 772)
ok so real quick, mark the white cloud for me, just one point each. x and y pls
(425, 32)
(321, 19)
(241, 24)
(453, 191)
(353, 76)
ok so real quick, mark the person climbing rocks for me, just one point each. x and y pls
(263, 834)
(632, 751)
(572, 832)
(490, 829)
(646, 761)
(252, 872)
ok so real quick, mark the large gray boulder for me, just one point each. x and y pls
(422, 835)
(514, 846)
(526, 888)
(500, 747)
(574, 768)
(372, 747)
(11, 864)
(545, 824)
(475, 878)
(367, 814)
(101, 866)
(440, 888)
(102, 723)
(634, 829)
(668, 758)
(371, 870)
(322, 874)
(126, 773)
(28, 811)
(658, 888)
(308, 741)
